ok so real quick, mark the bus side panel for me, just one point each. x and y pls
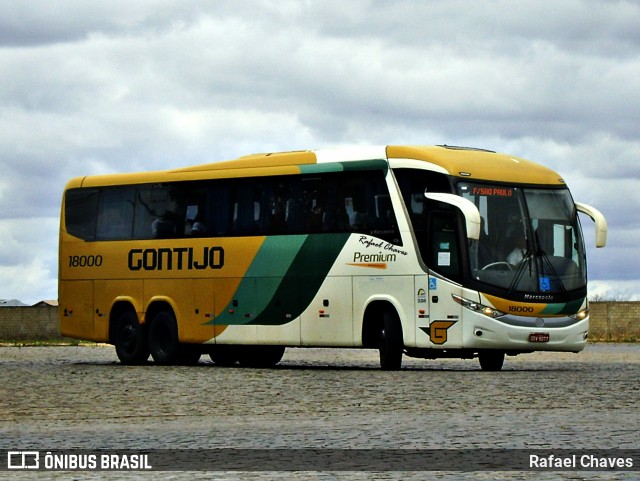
(328, 320)
(76, 310)
(235, 302)
(285, 335)
(259, 308)
(238, 334)
(203, 310)
(192, 302)
(277, 325)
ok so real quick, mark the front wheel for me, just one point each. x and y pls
(130, 339)
(491, 360)
(391, 344)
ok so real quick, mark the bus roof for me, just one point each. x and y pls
(472, 164)
(479, 164)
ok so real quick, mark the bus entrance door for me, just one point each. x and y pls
(444, 258)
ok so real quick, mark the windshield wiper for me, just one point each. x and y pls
(546, 261)
(520, 270)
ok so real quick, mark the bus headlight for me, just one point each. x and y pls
(477, 307)
(581, 315)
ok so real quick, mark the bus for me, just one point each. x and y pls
(419, 251)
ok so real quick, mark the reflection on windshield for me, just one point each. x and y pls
(529, 239)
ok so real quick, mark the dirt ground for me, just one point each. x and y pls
(82, 398)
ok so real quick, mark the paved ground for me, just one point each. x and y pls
(81, 397)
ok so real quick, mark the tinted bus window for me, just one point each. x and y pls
(81, 206)
(115, 214)
(284, 205)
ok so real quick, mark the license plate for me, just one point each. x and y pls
(539, 337)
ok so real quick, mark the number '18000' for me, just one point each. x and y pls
(85, 261)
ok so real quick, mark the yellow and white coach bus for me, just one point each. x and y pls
(424, 251)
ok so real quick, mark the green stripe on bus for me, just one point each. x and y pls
(303, 280)
(269, 266)
(282, 279)
(371, 164)
(570, 307)
(320, 168)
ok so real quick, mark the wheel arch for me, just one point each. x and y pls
(158, 304)
(373, 320)
(119, 306)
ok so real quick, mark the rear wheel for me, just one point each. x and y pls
(491, 360)
(163, 338)
(130, 339)
(390, 343)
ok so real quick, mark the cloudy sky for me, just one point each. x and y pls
(91, 87)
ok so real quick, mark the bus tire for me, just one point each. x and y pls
(130, 339)
(224, 355)
(163, 338)
(391, 344)
(491, 360)
(261, 356)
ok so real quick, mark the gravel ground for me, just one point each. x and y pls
(81, 397)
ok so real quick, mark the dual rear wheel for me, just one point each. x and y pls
(135, 342)
(130, 339)
(164, 344)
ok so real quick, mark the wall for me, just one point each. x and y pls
(39, 322)
(614, 321)
(610, 321)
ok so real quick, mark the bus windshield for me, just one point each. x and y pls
(530, 241)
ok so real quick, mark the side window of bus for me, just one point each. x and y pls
(306, 206)
(81, 206)
(194, 209)
(328, 202)
(159, 212)
(220, 204)
(115, 213)
(354, 193)
(368, 206)
(278, 200)
(413, 184)
(274, 206)
(247, 209)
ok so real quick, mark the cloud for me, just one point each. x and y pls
(29, 259)
(614, 290)
(33, 23)
(91, 87)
